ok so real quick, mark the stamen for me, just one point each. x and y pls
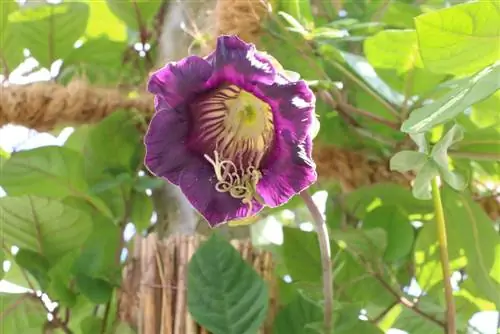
(240, 183)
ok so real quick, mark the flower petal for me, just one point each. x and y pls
(178, 81)
(290, 171)
(239, 63)
(293, 106)
(197, 184)
(166, 154)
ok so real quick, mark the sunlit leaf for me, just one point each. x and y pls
(135, 13)
(102, 22)
(21, 313)
(445, 108)
(397, 49)
(46, 171)
(461, 39)
(50, 31)
(397, 227)
(43, 225)
(472, 243)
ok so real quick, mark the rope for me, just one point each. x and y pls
(43, 106)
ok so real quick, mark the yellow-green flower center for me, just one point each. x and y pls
(234, 130)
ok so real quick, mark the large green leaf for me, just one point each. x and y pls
(397, 227)
(293, 318)
(365, 199)
(6, 7)
(2, 259)
(225, 294)
(103, 23)
(483, 142)
(301, 255)
(50, 31)
(354, 253)
(43, 225)
(36, 264)
(397, 49)
(461, 39)
(114, 144)
(465, 94)
(21, 313)
(46, 171)
(485, 113)
(472, 242)
(98, 258)
(134, 13)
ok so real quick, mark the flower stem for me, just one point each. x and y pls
(326, 261)
(445, 263)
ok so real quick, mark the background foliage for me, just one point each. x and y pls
(417, 80)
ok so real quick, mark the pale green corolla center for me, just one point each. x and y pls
(236, 130)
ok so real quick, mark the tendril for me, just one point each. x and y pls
(240, 184)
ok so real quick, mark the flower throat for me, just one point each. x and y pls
(234, 131)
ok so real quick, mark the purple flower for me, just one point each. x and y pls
(231, 130)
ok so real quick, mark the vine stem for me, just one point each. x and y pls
(445, 263)
(326, 261)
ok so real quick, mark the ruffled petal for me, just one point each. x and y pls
(293, 106)
(178, 81)
(197, 184)
(290, 170)
(239, 63)
(166, 152)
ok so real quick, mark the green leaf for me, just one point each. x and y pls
(301, 255)
(225, 294)
(396, 49)
(465, 94)
(293, 318)
(99, 252)
(120, 150)
(366, 72)
(91, 325)
(36, 264)
(98, 55)
(461, 39)
(364, 199)
(17, 275)
(60, 276)
(421, 188)
(132, 11)
(142, 210)
(50, 31)
(95, 289)
(43, 225)
(472, 243)
(51, 171)
(21, 313)
(398, 230)
(482, 142)
(147, 182)
(485, 113)
(299, 9)
(103, 23)
(400, 15)
(369, 244)
(2, 259)
(6, 7)
(440, 155)
(405, 161)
